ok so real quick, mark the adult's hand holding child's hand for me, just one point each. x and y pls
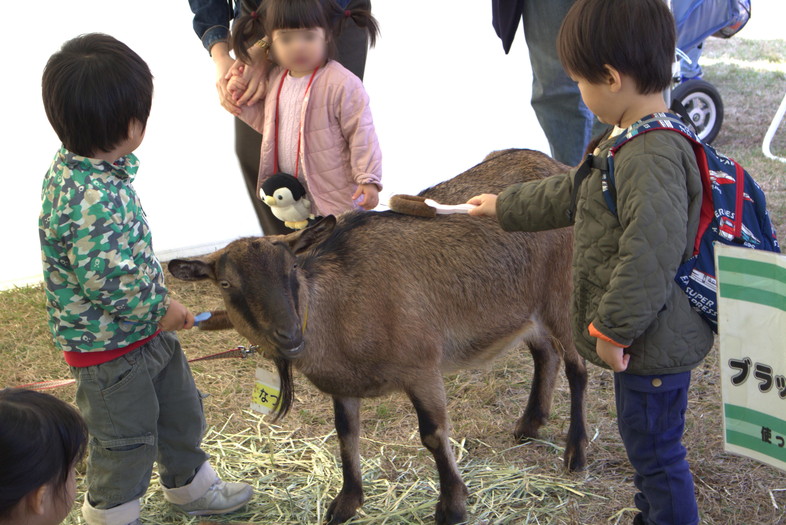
(177, 317)
(223, 62)
(236, 86)
(253, 74)
(485, 205)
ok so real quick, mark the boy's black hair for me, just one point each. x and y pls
(298, 14)
(41, 438)
(635, 37)
(93, 89)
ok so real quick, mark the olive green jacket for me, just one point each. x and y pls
(624, 265)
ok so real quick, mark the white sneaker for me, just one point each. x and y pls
(207, 494)
(220, 498)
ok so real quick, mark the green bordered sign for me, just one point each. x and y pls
(752, 332)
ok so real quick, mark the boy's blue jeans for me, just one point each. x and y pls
(651, 418)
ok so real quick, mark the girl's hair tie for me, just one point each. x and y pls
(347, 13)
(254, 15)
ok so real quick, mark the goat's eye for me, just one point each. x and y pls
(224, 284)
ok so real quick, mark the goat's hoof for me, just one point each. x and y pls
(343, 507)
(524, 433)
(575, 459)
(452, 511)
(450, 516)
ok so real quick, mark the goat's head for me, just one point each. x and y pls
(259, 280)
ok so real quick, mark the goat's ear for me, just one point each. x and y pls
(191, 269)
(314, 234)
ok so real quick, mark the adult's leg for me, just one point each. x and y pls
(352, 43)
(556, 99)
(248, 144)
(651, 418)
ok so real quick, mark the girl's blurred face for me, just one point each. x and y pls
(300, 50)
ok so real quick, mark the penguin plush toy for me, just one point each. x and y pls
(286, 197)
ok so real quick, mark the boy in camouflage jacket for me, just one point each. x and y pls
(628, 312)
(109, 310)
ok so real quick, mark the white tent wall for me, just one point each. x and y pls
(443, 94)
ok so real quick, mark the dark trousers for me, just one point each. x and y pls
(352, 50)
(651, 418)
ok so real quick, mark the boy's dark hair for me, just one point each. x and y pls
(298, 14)
(93, 89)
(635, 37)
(41, 438)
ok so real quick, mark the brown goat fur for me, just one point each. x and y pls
(376, 302)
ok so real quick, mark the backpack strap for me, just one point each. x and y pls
(679, 109)
(582, 173)
(652, 122)
(609, 191)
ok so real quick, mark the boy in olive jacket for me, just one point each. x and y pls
(628, 312)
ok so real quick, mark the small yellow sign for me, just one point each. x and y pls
(267, 389)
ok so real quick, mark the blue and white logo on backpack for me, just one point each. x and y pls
(733, 211)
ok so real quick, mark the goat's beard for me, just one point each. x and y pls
(287, 391)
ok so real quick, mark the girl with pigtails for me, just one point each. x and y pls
(314, 117)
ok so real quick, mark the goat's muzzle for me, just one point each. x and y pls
(289, 345)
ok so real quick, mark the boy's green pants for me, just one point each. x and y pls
(140, 408)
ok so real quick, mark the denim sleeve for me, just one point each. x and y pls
(211, 20)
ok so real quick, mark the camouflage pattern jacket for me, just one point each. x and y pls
(104, 286)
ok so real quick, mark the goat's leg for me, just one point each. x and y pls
(577, 441)
(346, 504)
(428, 397)
(546, 363)
(559, 340)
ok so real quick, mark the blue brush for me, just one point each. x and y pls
(204, 316)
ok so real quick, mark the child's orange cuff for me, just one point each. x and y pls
(595, 333)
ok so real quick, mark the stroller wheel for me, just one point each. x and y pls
(704, 106)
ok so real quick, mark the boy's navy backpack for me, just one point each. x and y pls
(733, 211)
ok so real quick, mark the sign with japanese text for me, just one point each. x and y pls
(751, 327)
(267, 389)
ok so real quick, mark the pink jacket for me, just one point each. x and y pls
(339, 148)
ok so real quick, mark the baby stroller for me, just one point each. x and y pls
(696, 20)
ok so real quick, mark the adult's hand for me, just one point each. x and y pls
(224, 62)
(254, 76)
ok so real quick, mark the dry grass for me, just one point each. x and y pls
(294, 467)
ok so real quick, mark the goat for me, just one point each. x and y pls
(394, 301)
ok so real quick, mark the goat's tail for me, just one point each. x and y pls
(287, 392)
